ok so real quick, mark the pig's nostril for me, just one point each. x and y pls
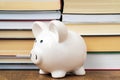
(30, 55)
(36, 57)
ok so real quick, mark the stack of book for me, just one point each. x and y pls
(16, 38)
(98, 21)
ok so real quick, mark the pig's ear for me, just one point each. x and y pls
(59, 29)
(38, 27)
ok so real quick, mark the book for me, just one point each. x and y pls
(103, 43)
(30, 5)
(94, 29)
(13, 66)
(16, 34)
(91, 18)
(18, 24)
(91, 6)
(15, 46)
(14, 60)
(103, 61)
(29, 15)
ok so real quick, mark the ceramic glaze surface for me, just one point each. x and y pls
(57, 50)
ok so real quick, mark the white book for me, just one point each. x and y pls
(103, 61)
(91, 18)
(17, 24)
(29, 15)
(18, 66)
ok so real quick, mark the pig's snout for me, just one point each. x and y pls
(35, 58)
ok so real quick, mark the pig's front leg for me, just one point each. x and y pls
(58, 74)
(80, 71)
(42, 72)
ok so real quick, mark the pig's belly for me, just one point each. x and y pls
(63, 63)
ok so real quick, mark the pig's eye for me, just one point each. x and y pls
(36, 57)
(41, 41)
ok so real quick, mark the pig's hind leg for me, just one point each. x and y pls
(80, 71)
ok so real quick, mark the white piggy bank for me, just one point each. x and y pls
(57, 50)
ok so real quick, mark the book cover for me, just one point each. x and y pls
(9, 25)
(15, 46)
(91, 18)
(30, 4)
(91, 6)
(29, 15)
(94, 29)
(103, 61)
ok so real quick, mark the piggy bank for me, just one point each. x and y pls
(57, 50)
